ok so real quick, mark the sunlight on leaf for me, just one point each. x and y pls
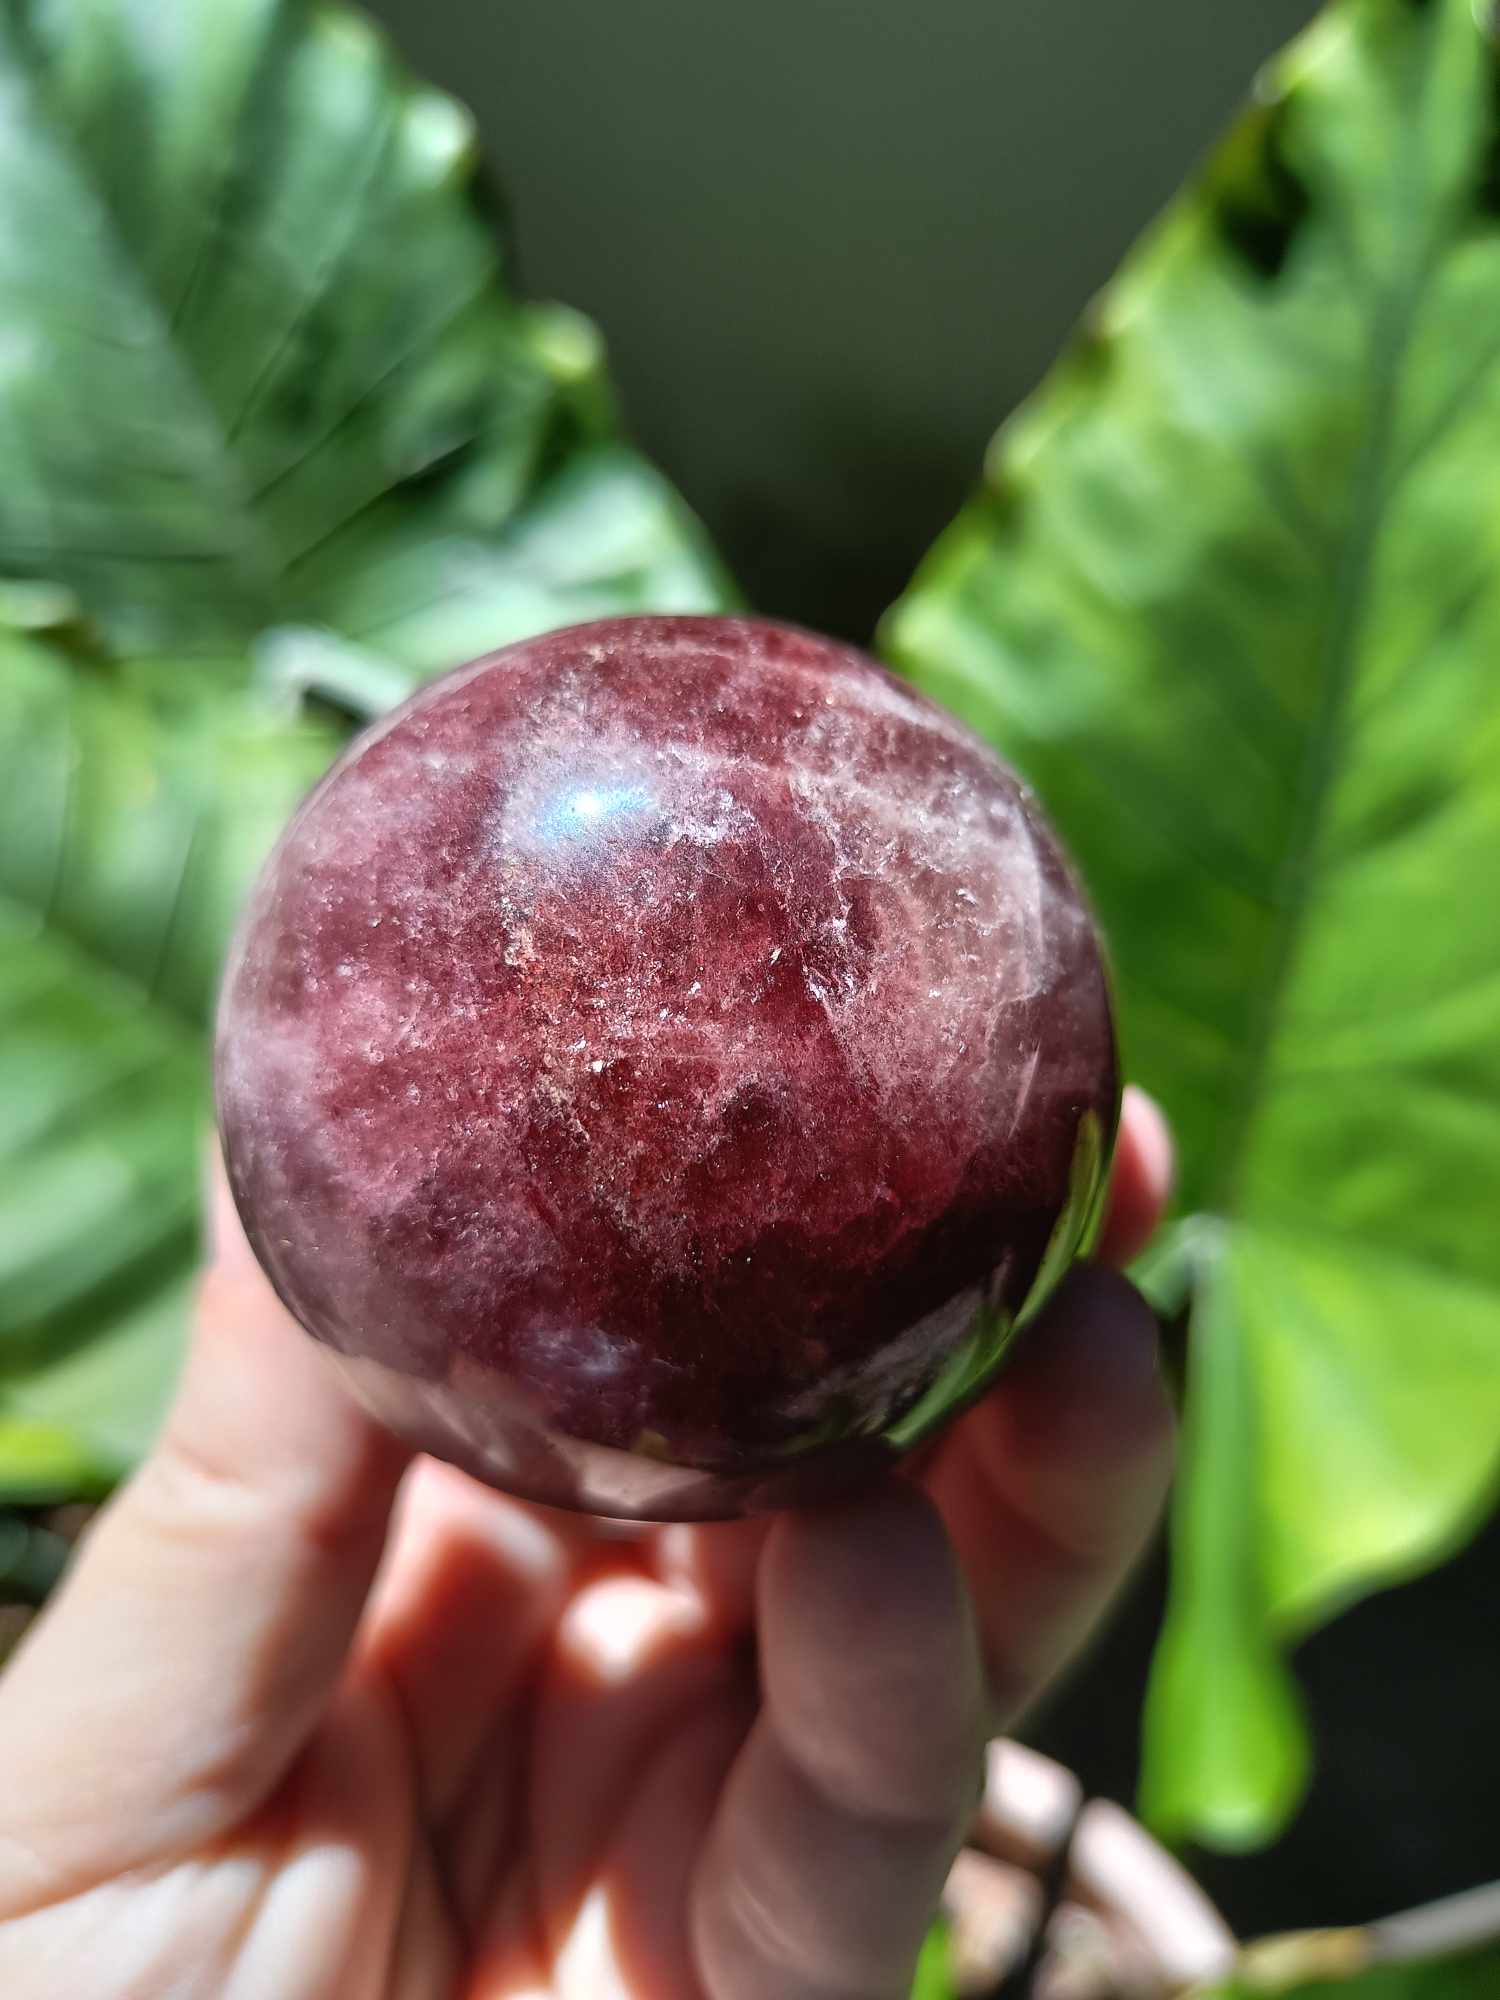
(129, 829)
(1231, 598)
(277, 439)
(260, 365)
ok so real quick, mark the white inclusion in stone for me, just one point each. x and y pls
(591, 1352)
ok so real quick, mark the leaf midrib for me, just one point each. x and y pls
(251, 559)
(1371, 484)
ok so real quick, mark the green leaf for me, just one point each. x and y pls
(40, 1462)
(260, 365)
(934, 1975)
(271, 423)
(1231, 597)
(131, 821)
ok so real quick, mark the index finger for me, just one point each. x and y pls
(1050, 1486)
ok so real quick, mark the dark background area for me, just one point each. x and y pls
(1401, 1696)
(832, 243)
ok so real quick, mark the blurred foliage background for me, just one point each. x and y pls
(281, 433)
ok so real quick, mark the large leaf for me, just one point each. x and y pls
(1231, 596)
(259, 365)
(130, 824)
(270, 421)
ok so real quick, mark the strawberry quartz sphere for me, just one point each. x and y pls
(666, 1060)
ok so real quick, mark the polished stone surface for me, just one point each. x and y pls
(660, 1053)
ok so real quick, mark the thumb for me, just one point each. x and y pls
(171, 1681)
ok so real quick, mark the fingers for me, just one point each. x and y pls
(853, 1791)
(472, 1587)
(630, 1661)
(657, 1850)
(717, 1562)
(1051, 1485)
(1140, 1184)
(176, 1674)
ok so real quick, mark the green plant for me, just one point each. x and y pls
(278, 440)
(1468, 1978)
(1231, 598)
(1443, 1952)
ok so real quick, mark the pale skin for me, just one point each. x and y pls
(310, 1721)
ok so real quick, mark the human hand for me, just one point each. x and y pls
(308, 1721)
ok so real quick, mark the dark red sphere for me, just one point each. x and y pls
(666, 1059)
